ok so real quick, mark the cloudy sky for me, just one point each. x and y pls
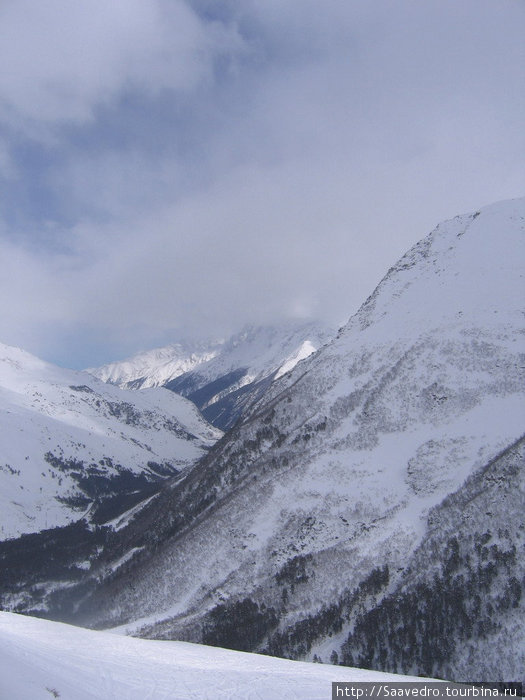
(181, 167)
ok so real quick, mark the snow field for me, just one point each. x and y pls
(41, 660)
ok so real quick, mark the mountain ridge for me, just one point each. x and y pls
(69, 440)
(324, 514)
(227, 376)
(422, 389)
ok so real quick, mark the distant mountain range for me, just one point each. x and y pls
(366, 509)
(222, 378)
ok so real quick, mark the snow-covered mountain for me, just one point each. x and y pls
(378, 485)
(222, 378)
(153, 368)
(369, 508)
(73, 447)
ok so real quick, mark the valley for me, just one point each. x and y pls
(377, 484)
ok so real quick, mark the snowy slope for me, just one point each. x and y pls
(318, 507)
(68, 441)
(266, 349)
(222, 378)
(40, 660)
(153, 368)
(226, 386)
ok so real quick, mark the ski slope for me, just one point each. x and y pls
(40, 660)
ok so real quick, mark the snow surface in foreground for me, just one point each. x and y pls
(41, 660)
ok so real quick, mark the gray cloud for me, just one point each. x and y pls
(186, 167)
(64, 59)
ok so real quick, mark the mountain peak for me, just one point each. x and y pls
(461, 268)
(377, 485)
(222, 378)
(316, 515)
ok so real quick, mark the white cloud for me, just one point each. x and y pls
(274, 162)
